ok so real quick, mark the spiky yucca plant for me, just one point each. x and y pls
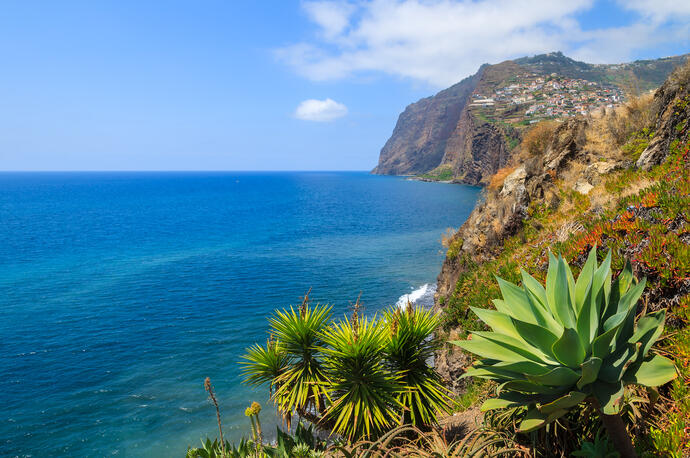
(363, 392)
(408, 352)
(555, 347)
(356, 377)
(292, 363)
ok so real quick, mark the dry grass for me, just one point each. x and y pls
(537, 139)
(609, 130)
(499, 177)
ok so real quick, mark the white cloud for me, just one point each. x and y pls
(332, 17)
(441, 41)
(320, 110)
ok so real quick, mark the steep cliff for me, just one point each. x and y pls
(418, 143)
(468, 131)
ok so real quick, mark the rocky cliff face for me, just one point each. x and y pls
(418, 143)
(450, 132)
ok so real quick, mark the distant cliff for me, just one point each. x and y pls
(467, 132)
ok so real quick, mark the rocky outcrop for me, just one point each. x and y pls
(673, 102)
(475, 150)
(418, 143)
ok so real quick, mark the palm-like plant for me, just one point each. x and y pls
(555, 347)
(363, 393)
(264, 364)
(408, 351)
(292, 364)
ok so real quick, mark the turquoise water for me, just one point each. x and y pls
(121, 292)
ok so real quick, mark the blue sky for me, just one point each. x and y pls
(234, 85)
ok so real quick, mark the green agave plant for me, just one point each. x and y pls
(408, 352)
(555, 347)
(362, 391)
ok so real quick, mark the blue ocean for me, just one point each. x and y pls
(121, 292)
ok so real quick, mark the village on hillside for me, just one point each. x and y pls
(529, 97)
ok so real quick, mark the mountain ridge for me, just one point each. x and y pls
(465, 133)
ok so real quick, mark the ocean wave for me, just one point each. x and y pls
(420, 297)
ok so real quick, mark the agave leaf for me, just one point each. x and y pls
(551, 279)
(609, 395)
(560, 376)
(561, 296)
(587, 321)
(532, 421)
(613, 368)
(571, 288)
(601, 285)
(568, 349)
(490, 349)
(625, 279)
(630, 298)
(584, 280)
(653, 371)
(545, 319)
(590, 371)
(498, 321)
(601, 346)
(535, 335)
(508, 399)
(563, 403)
(516, 300)
(491, 373)
(521, 346)
(628, 327)
(536, 419)
(534, 287)
(524, 386)
(525, 367)
(649, 328)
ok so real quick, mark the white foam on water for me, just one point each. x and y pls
(420, 297)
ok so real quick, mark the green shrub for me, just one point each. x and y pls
(357, 377)
(552, 348)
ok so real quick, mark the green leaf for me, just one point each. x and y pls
(524, 386)
(535, 419)
(508, 399)
(590, 371)
(498, 321)
(613, 368)
(609, 395)
(525, 367)
(535, 335)
(518, 345)
(560, 376)
(535, 288)
(516, 300)
(551, 279)
(585, 330)
(654, 371)
(601, 346)
(561, 296)
(584, 280)
(601, 285)
(489, 349)
(568, 349)
(649, 328)
(532, 421)
(564, 402)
